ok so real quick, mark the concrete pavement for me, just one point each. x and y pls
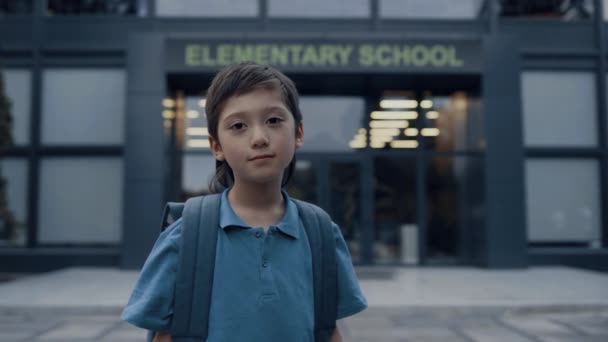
(406, 304)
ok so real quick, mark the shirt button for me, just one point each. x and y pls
(258, 234)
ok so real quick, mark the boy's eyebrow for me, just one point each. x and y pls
(282, 109)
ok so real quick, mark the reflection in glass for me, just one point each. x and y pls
(430, 9)
(303, 185)
(17, 85)
(74, 209)
(13, 231)
(452, 122)
(345, 199)
(333, 123)
(83, 7)
(395, 209)
(206, 8)
(564, 207)
(564, 9)
(319, 8)
(194, 129)
(197, 171)
(559, 108)
(73, 114)
(455, 213)
(16, 7)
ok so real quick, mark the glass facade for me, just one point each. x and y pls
(331, 122)
(206, 8)
(345, 202)
(455, 197)
(81, 201)
(550, 9)
(197, 171)
(452, 123)
(73, 114)
(430, 9)
(304, 182)
(563, 201)
(83, 7)
(18, 85)
(559, 109)
(14, 174)
(319, 8)
(395, 206)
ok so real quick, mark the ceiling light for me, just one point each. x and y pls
(169, 103)
(204, 143)
(404, 144)
(426, 104)
(168, 114)
(388, 124)
(410, 132)
(197, 131)
(384, 131)
(394, 115)
(430, 132)
(432, 115)
(398, 103)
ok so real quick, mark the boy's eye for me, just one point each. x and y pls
(237, 126)
(274, 120)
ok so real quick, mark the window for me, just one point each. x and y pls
(564, 207)
(207, 8)
(17, 83)
(559, 109)
(16, 7)
(331, 123)
(430, 9)
(562, 9)
(455, 199)
(197, 171)
(81, 200)
(83, 106)
(14, 172)
(84, 7)
(319, 8)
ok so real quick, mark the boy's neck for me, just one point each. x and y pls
(255, 196)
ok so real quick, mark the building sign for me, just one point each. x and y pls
(456, 56)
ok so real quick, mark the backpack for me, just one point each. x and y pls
(190, 321)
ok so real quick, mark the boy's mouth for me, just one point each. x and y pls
(262, 156)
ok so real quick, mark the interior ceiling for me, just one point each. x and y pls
(347, 84)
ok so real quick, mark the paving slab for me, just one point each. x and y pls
(107, 289)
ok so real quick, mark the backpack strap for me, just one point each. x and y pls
(194, 280)
(171, 213)
(319, 230)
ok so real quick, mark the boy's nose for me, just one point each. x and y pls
(259, 138)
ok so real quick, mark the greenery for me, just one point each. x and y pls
(7, 220)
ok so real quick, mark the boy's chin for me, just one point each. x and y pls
(269, 179)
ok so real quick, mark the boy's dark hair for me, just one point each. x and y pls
(236, 80)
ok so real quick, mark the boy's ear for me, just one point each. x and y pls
(216, 149)
(300, 135)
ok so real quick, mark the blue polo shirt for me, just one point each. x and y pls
(262, 285)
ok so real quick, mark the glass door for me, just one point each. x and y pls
(346, 202)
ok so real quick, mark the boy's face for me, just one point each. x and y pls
(257, 136)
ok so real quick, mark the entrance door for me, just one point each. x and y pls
(347, 205)
(335, 183)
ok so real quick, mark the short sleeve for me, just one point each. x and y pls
(350, 297)
(151, 303)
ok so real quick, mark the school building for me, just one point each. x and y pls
(437, 132)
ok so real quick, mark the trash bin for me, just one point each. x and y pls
(409, 244)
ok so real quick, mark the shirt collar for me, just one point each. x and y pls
(288, 225)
